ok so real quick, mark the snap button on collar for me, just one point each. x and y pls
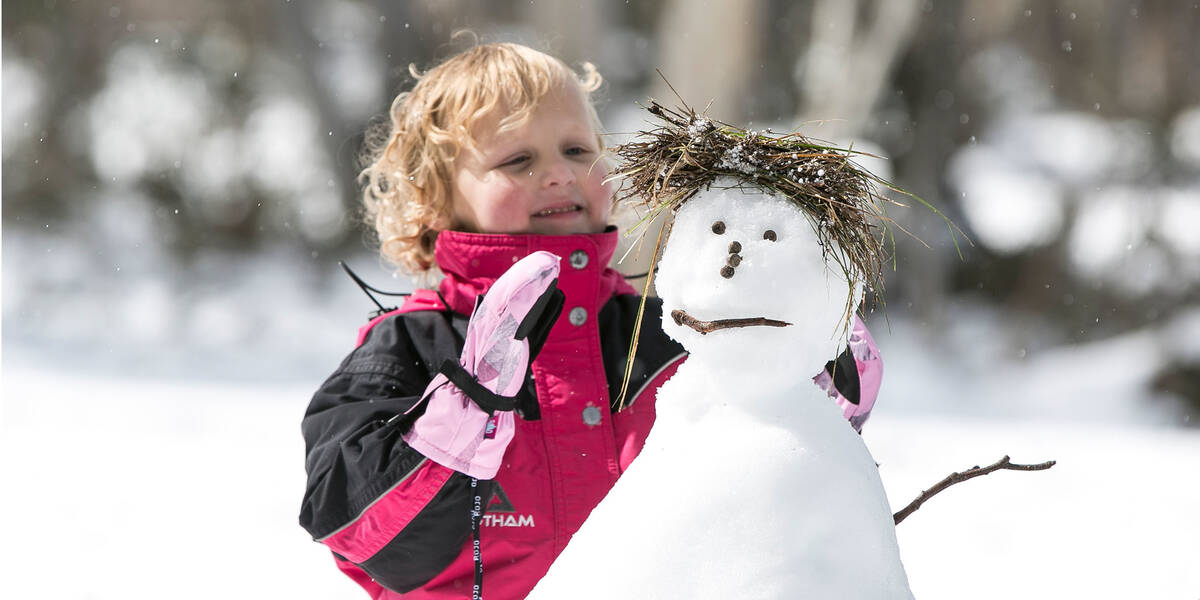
(578, 259)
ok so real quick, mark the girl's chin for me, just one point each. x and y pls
(565, 224)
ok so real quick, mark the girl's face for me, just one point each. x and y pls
(541, 177)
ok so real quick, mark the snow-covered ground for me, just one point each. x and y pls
(120, 488)
(127, 488)
(149, 434)
(1117, 517)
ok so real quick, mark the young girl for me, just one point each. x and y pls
(493, 155)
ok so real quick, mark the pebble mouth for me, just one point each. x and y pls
(704, 327)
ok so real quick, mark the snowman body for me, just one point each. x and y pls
(751, 483)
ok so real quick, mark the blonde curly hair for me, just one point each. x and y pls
(408, 178)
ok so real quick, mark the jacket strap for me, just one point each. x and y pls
(485, 398)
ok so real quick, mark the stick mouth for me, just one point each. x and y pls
(704, 327)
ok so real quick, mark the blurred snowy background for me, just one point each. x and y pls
(178, 186)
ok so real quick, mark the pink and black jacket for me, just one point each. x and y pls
(399, 524)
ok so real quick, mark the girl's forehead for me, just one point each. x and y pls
(561, 103)
(567, 98)
(567, 108)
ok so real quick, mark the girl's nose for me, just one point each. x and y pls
(557, 172)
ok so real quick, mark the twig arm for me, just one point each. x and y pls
(973, 472)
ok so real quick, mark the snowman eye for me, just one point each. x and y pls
(718, 227)
(769, 235)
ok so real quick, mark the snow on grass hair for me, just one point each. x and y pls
(686, 153)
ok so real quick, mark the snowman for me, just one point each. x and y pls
(751, 483)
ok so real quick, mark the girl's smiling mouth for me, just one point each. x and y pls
(559, 209)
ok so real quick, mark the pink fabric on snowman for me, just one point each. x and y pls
(870, 374)
(468, 422)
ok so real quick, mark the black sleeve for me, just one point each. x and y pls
(844, 371)
(655, 351)
(354, 451)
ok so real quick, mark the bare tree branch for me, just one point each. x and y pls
(976, 471)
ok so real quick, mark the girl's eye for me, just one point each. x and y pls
(718, 227)
(769, 235)
(577, 151)
(516, 160)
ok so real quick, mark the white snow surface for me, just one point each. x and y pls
(751, 484)
(141, 489)
(132, 488)
(1116, 517)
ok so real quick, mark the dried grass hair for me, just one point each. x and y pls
(686, 153)
(408, 175)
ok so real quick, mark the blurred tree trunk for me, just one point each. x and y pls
(848, 62)
(294, 28)
(72, 70)
(924, 70)
(706, 51)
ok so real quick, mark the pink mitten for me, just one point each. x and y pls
(468, 422)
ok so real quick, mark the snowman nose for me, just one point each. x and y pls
(732, 261)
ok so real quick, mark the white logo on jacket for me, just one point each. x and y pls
(508, 521)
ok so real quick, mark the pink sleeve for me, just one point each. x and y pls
(869, 367)
(870, 372)
(389, 514)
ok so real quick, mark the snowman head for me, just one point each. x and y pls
(744, 277)
(776, 234)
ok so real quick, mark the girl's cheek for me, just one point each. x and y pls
(503, 185)
(596, 181)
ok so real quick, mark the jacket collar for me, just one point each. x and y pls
(473, 261)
